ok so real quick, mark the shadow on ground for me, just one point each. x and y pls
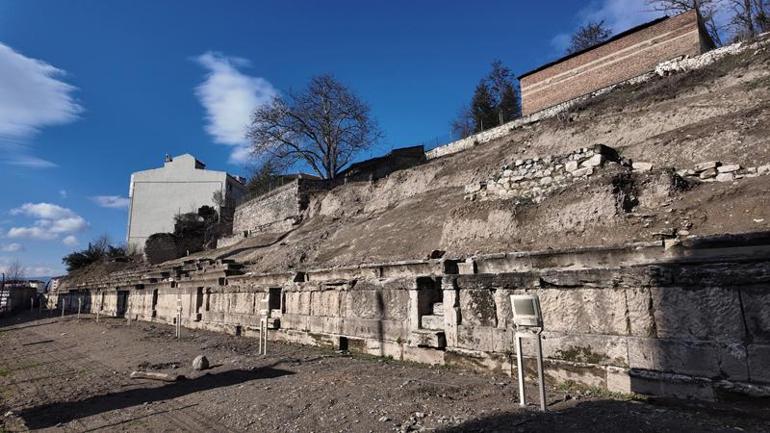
(62, 412)
(599, 416)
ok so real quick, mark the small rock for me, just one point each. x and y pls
(593, 161)
(706, 165)
(708, 173)
(728, 168)
(384, 419)
(642, 166)
(200, 363)
(725, 177)
(763, 169)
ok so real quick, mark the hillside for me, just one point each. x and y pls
(719, 113)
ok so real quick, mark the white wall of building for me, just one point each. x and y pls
(181, 185)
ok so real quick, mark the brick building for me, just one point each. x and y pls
(621, 58)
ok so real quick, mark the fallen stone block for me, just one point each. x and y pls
(725, 177)
(593, 161)
(763, 169)
(728, 168)
(706, 165)
(156, 376)
(708, 173)
(586, 171)
(642, 166)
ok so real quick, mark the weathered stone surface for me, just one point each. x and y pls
(729, 168)
(698, 359)
(708, 313)
(763, 170)
(600, 311)
(477, 307)
(706, 165)
(640, 318)
(430, 321)
(759, 362)
(571, 166)
(725, 177)
(756, 310)
(642, 166)
(593, 161)
(708, 173)
(586, 171)
(200, 363)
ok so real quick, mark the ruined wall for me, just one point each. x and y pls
(275, 211)
(688, 319)
(616, 61)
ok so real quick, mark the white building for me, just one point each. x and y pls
(182, 185)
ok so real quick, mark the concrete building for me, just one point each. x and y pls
(624, 56)
(182, 185)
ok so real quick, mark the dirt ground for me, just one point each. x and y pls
(67, 375)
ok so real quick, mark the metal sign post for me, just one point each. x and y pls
(80, 306)
(263, 336)
(178, 318)
(529, 324)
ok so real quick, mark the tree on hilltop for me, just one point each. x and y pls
(591, 34)
(495, 101)
(325, 126)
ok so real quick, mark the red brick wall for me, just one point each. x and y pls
(612, 63)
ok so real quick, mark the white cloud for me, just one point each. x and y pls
(32, 97)
(43, 211)
(111, 201)
(63, 193)
(229, 98)
(12, 248)
(51, 221)
(70, 241)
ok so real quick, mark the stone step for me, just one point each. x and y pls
(438, 309)
(432, 322)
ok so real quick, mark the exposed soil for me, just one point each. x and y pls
(64, 375)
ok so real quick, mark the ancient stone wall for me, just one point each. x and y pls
(685, 319)
(275, 211)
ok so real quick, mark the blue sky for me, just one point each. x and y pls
(92, 90)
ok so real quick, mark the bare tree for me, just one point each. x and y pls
(589, 35)
(750, 18)
(706, 8)
(15, 271)
(463, 125)
(325, 126)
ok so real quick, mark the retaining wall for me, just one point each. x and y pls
(689, 319)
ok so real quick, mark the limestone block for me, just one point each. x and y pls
(675, 356)
(477, 307)
(756, 310)
(705, 313)
(706, 166)
(708, 173)
(725, 177)
(593, 161)
(480, 338)
(297, 302)
(546, 180)
(430, 321)
(759, 362)
(729, 168)
(438, 309)
(763, 170)
(642, 166)
(586, 171)
(325, 303)
(640, 318)
(589, 349)
(599, 311)
(618, 380)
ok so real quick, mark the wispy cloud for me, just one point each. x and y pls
(70, 241)
(111, 201)
(50, 222)
(229, 98)
(33, 97)
(12, 248)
